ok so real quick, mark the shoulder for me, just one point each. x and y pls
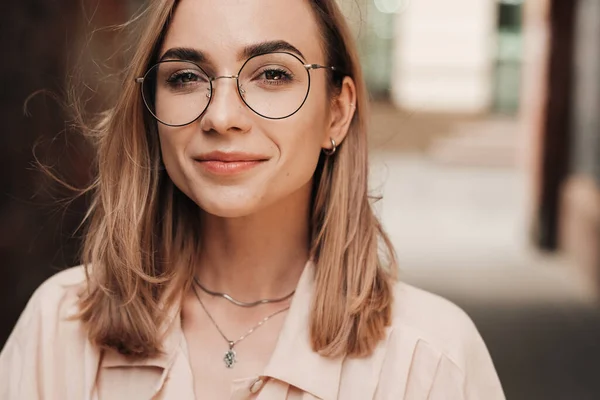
(436, 345)
(64, 280)
(49, 338)
(54, 301)
(434, 320)
(60, 292)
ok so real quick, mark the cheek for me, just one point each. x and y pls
(300, 149)
(172, 148)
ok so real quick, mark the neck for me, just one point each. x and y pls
(257, 256)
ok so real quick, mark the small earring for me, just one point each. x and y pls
(329, 152)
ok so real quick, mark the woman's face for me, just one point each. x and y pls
(222, 31)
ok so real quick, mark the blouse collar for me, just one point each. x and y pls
(293, 360)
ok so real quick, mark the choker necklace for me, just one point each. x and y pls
(230, 357)
(241, 303)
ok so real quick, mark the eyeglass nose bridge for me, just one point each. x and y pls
(214, 78)
(236, 77)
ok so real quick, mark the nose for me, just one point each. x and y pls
(226, 111)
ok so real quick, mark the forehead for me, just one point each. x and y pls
(221, 28)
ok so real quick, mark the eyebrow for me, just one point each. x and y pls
(197, 56)
(184, 54)
(269, 47)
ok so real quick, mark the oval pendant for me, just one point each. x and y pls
(229, 358)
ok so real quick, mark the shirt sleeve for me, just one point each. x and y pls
(475, 380)
(481, 379)
(19, 367)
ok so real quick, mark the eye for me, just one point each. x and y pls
(275, 76)
(183, 77)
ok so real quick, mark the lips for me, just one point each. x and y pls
(220, 163)
(228, 157)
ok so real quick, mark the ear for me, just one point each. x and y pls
(342, 111)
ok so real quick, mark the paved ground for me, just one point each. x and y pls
(454, 204)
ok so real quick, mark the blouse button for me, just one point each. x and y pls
(257, 385)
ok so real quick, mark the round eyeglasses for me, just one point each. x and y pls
(273, 85)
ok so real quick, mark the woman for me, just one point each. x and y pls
(232, 251)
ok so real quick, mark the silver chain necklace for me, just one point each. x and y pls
(241, 303)
(230, 357)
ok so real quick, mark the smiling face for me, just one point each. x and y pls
(220, 35)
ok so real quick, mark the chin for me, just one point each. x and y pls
(233, 208)
(228, 212)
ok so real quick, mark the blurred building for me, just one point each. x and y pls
(579, 208)
(537, 60)
(444, 57)
(433, 56)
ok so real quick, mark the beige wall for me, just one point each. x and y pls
(444, 55)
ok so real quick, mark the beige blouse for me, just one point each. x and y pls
(431, 351)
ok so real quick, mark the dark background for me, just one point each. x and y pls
(46, 46)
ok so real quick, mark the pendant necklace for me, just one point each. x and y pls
(241, 303)
(230, 357)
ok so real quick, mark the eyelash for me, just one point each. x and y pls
(176, 75)
(287, 76)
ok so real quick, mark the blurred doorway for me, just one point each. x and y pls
(507, 74)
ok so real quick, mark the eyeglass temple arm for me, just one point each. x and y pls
(317, 66)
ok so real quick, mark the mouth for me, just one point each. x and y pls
(230, 157)
(229, 163)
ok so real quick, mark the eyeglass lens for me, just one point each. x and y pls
(274, 85)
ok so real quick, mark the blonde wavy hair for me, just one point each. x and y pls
(141, 232)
